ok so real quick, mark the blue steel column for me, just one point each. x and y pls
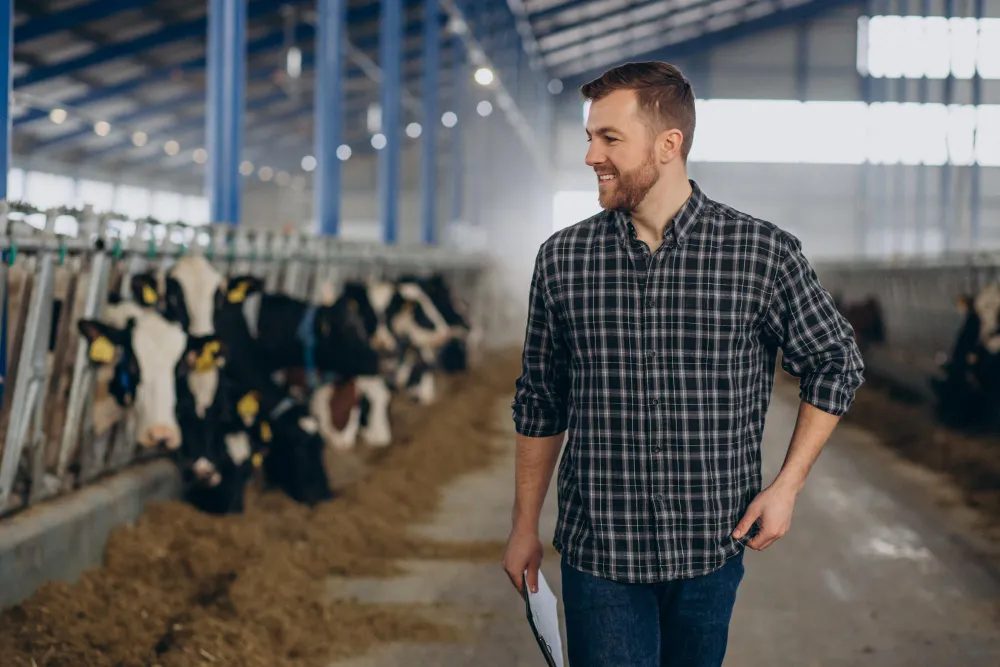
(459, 106)
(227, 21)
(428, 154)
(390, 46)
(329, 114)
(7, 58)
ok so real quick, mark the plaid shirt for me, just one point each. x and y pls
(661, 368)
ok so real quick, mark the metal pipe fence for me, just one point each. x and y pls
(60, 431)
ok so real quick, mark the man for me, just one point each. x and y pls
(652, 336)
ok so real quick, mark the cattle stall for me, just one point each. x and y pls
(916, 306)
(60, 430)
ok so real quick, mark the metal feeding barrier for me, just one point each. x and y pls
(59, 433)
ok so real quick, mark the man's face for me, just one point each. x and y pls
(621, 151)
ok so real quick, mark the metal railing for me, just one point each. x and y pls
(58, 433)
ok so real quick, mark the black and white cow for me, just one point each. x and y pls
(153, 362)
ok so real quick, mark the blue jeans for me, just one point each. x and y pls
(681, 623)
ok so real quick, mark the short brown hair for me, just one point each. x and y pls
(666, 98)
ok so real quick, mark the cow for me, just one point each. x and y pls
(211, 309)
(968, 387)
(153, 360)
(452, 357)
(866, 320)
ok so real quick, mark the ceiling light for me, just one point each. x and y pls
(413, 130)
(139, 138)
(484, 76)
(293, 62)
(200, 155)
(378, 141)
(484, 108)
(449, 119)
(57, 116)
(308, 163)
(246, 167)
(171, 147)
(343, 152)
(102, 128)
(265, 173)
(283, 179)
(555, 86)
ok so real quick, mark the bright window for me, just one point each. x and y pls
(789, 131)
(931, 46)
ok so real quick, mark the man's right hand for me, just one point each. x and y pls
(524, 552)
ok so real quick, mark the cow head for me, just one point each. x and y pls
(342, 342)
(150, 358)
(193, 293)
(369, 301)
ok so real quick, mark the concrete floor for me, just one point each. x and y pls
(877, 569)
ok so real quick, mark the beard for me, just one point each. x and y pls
(628, 189)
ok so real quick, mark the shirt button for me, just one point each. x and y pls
(650, 353)
(654, 401)
(656, 450)
(649, 302)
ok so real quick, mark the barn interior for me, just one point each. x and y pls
(301, 149)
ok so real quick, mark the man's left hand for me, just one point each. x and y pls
(773, 506)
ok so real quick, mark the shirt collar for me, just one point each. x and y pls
(680, 225)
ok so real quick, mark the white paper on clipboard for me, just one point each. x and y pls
(543, 616)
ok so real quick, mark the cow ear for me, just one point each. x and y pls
(240, 287)
(144, 289)
(103, 340)
(205, 355)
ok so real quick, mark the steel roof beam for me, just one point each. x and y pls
(646, 20)
(256, 76)
(756, 18)
(73, 17)
(166, 35)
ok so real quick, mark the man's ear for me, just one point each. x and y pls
(103, 340)
(240, 287)
(144, 289)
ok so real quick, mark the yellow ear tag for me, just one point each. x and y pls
(239, 293)
(257, 459)
(205, 361)
(248, 406)
(102, 350)
(148, 295)
(265, 432)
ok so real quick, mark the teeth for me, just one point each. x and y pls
(606, 177)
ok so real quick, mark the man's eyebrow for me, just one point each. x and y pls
(605, 130)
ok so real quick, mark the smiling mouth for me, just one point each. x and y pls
(605, 178)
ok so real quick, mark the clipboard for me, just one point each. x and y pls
(550, 646)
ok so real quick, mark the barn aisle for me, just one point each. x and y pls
(475, 596)
(877, 570)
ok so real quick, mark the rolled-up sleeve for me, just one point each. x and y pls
(816, 340)
(540, 392)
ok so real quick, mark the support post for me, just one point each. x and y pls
(7, 37)
(329, 114)
(226, 80)
(459, 73)
(431, 119)
(920, 212)
(390, 47)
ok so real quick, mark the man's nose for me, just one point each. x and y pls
(595, 155)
